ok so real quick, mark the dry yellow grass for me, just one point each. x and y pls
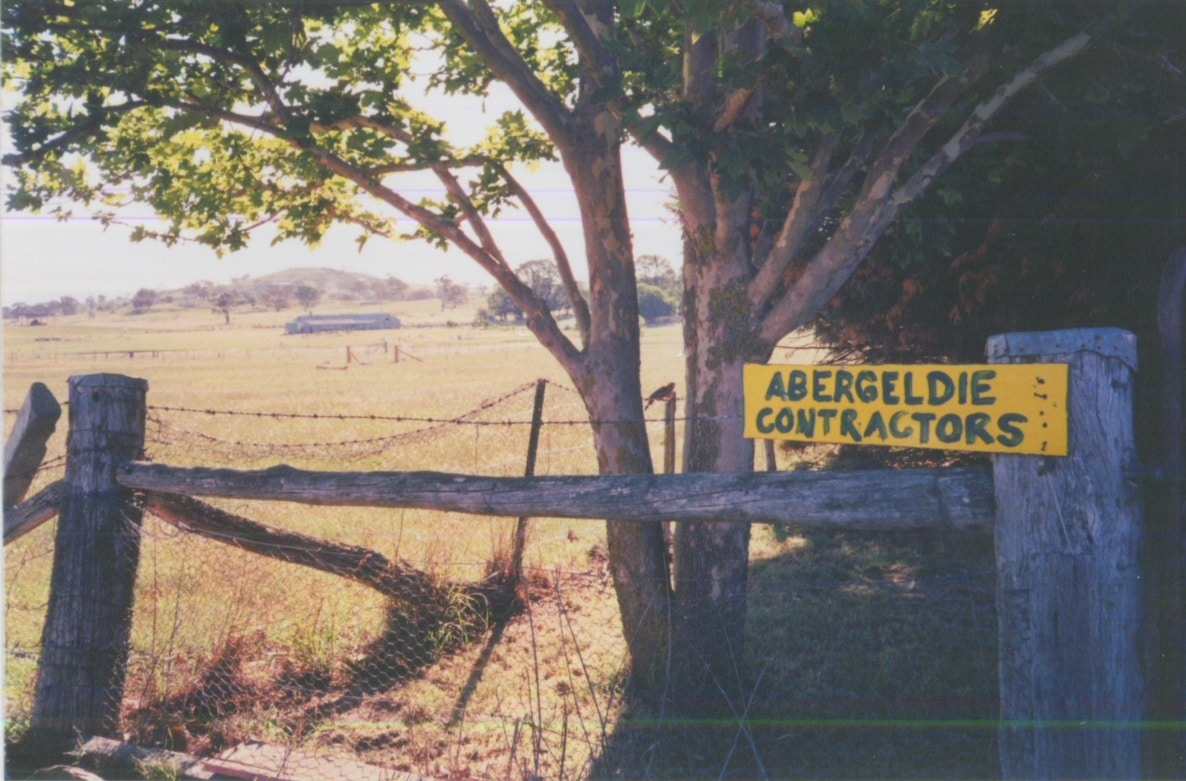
(195, 596)
(854, 641)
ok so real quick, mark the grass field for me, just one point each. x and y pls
(868, 655)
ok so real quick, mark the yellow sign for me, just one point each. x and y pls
(1003, 408)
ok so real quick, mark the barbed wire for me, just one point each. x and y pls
(462, 418)
(291, 446)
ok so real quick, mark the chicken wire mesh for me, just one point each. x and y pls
(412, 648)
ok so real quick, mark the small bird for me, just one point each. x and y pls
(666, 393)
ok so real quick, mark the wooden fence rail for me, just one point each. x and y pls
(1069, 532)
(877, 500)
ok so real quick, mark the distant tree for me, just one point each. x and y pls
(143, 300)
(68, 305)
(277, 297)
(391, 289)
(199, 290)
(223, 303)
(91, 304)
(655, 302)
(501, 306)
(450, 293)
(543, 277)
(657, 270)
(308, 296)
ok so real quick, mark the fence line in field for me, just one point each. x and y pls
(1046, 511)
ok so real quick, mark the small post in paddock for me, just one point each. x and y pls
(519, 543)
(84, 647)
(1068, 539)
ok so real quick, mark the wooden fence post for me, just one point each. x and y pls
(84, 646)
(1068, 535)
(25, 448)
(519, 544)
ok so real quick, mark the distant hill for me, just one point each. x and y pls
(277, 290)
(333, 284)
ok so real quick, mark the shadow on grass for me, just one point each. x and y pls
(869, 656)
(226, 702)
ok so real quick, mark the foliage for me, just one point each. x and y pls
(990, 252)
(657, 271)
(144, 299)
(451, 294)
(500, 306)
(277, 297)
(544, 280)
(308, 296)
(655, 302)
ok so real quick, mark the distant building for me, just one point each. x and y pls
(315, 324)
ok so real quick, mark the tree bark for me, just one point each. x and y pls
(712, 559)
(611, 387)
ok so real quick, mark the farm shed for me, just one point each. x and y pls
(312, 324)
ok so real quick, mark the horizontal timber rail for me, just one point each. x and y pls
(878, 500)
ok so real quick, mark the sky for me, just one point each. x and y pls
(42, 258)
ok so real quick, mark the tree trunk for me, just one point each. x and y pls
(712, 560)
(610, 385)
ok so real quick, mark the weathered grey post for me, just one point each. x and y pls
(1068, 533)
(519, 543)
(84, 647)
(26, 447)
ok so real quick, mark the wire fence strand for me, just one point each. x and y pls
(435, 666)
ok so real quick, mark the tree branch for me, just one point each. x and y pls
(478, 25)
(596, 59)
(253, 69)
(878, 204)
(459, 196)
(970, 132)
(91, 125)
(580, 307)
(803, 214)
(774, 17)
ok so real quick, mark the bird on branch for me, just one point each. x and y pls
(666, 393)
